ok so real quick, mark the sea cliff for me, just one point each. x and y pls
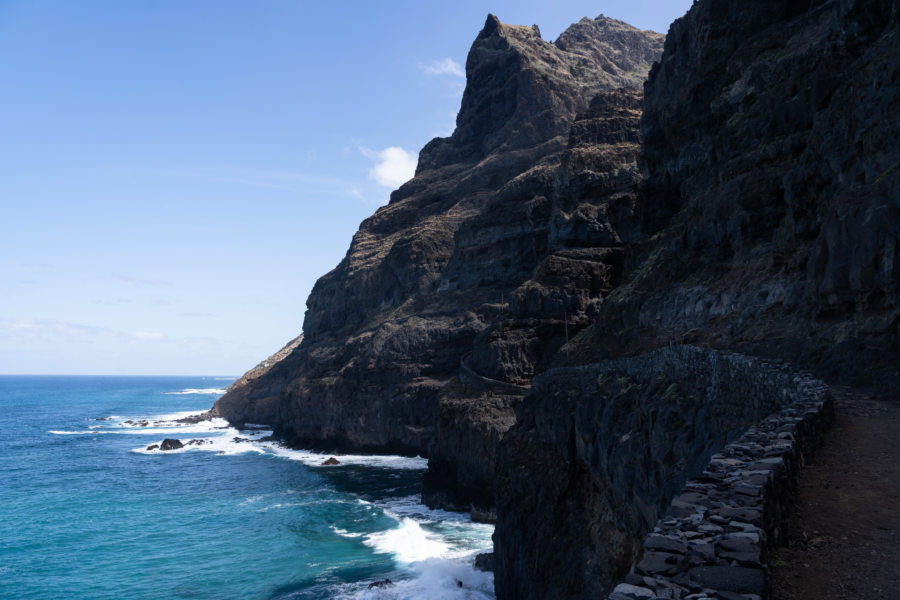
(741, 195)
(501, 246)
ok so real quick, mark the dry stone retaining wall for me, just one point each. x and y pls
(713, 541)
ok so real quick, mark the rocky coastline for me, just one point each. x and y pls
(583, 306)
(499, 248)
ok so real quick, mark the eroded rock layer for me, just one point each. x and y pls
(772, 191)
(600, 450)
(500, 247)
(754, 207)
(770, 224)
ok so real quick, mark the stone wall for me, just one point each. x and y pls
(599, 452)
(714, 539)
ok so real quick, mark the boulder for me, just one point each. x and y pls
(485, 562)
(170, 444)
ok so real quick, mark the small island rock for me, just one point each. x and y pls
(170, 444)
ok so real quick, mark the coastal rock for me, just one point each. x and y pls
(769, 217)
(194, 419)
(329, 462)
(170, 444)
(262, 407)
(485, 562)
(600, 451)
(749, 201)
(772, 190)
(451, 297)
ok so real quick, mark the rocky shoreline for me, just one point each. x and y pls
(578, 306)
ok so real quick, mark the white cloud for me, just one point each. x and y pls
(18, 324)
(138, 280)
(147, 336)
(394, 167)
(446, 66)
(53, 329)
(356, 192)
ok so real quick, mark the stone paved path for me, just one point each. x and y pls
(845, 531)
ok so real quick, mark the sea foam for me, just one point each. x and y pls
(434, 549)
(408, 543)
(435, 579)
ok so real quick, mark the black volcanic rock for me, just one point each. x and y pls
(769, 219)
(598, 452)
(755, 206)
(263, 407)
(772, 189)
(170, 444)
(487, 259)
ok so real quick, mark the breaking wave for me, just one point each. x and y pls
(433, 550)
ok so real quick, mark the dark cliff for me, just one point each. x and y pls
(769, 212)
(771, 189)
(747, 200)
(501, 245)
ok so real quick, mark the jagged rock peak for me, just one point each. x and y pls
(523, 91)
(493, 26)
(623, 53)
(474, 274)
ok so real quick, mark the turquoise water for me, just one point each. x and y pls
(86, 511)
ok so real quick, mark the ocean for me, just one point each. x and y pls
(87, 512)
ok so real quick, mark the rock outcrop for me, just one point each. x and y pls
(500, 247)
(748, 200)
(599, 451)
(170, 444)
(771, 190)
(769, 220)
(261, 408)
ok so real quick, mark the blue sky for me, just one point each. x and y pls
(175, 175)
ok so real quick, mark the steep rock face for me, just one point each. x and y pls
(772, 174)
(769, 217)
(263, 409)
(597, 453)
(486, 260)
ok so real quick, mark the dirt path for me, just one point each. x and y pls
(845, 531)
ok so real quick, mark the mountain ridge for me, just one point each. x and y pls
(466, 260)
(745, 198)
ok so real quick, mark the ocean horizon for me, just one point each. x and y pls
(89, 509)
